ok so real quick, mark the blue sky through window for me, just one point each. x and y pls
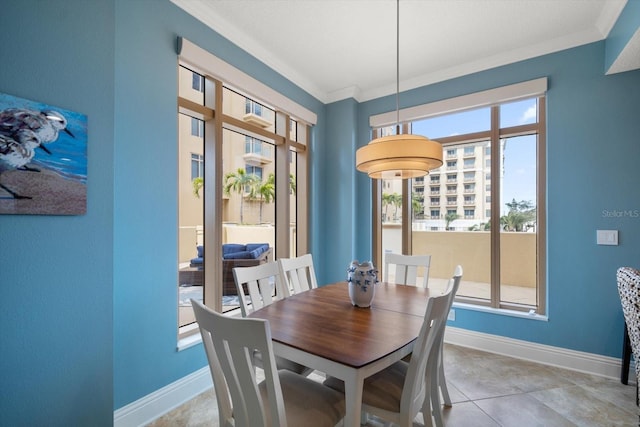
(520, 170)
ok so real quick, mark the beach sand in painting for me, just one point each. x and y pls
(51, 194)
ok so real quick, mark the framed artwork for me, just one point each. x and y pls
(43, 159)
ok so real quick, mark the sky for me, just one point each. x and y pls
(519, 178)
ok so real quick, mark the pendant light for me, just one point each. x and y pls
(402, 155)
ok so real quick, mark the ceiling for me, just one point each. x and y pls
(336, 49)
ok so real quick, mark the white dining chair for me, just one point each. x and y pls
(282, 399)
(258, 286)
(399, 392)
(441, 383)
(263, 285)
(406, 268)
(298, 274)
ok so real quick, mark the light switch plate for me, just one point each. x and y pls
(607, 237)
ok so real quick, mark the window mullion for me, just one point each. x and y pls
(283, 169)
(542, 206)
(495, 206)
(213, 206)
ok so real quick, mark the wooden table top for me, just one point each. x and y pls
(323, 322)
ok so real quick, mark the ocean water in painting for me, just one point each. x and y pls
(68, 154)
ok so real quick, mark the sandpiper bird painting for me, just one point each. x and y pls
(44, 124)
(43, 158)
(15, 154)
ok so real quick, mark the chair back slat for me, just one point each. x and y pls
(406, 268)
(298, 274)
(263, 283)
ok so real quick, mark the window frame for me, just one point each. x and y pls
(535, 89)
(219, 75)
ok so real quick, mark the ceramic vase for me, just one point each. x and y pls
(362, 279)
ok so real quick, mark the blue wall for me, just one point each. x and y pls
(88, 310)
(56, 276)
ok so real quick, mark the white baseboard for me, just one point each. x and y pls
(158, 403)
(152, 406)
(555, 356)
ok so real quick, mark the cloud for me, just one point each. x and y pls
(529, 115)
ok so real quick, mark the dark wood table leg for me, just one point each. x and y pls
(626, 357)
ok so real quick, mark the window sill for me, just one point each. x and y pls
(188, 337)
(501, 311)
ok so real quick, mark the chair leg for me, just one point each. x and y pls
(436, 384)
(442, 381)
(626, 357)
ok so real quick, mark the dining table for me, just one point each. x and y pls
(321, 329)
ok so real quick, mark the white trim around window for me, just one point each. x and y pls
(499, 95)
(206, 63)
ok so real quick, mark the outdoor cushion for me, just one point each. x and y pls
(234, 251)
(229, 248)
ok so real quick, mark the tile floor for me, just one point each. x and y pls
(492, 390)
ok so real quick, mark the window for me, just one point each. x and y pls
(245, 162)
(253, 170)
(197, 127)
(252, 145)
(252, 107)
(504, 254)
(197, 166)
(197, 82)
(452, 164)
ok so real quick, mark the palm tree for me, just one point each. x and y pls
(396, 201)
(266, 191)
(292, 183)
(416, 204)
(386, 201)
(483, 226)
(520, 216)
(449, 218)
(197, 183)
(240, 181)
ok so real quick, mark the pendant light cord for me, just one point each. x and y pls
(397, 67)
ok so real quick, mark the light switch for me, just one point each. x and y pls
(607, 237)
